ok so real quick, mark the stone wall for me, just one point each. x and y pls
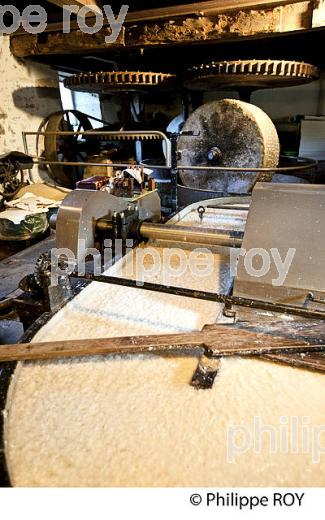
(28, 93)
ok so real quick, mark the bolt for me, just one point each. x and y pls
(201, 211)
(215, 155)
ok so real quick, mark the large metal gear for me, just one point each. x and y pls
(253, 74)
(117, 81)
(227, 133)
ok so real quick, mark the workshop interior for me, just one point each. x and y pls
(162, 203)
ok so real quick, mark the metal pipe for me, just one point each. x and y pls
(284, 169)
(208, 237)
(305, 166)
(80, 163)
(118, 134)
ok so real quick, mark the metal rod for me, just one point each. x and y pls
(203, 295)
(118, 133)
(288, 169)
(80, 163)
(229, 206)
(310, 164)
(187, 234)
(306, 166)
(40, 160)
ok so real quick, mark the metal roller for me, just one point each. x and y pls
(209, 237)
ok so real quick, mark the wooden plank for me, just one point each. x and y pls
(78, 3)
(314, 361)
(217, 339)
(201, 28)
(295, 328)
(204, 8)
(270, 323)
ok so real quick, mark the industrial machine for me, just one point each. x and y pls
(290, 279)
(87, 218)
(226, 147)
(282, 323)
(234, 144)
(264, 296)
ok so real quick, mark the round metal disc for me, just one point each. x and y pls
(227, 133)
(251, 74)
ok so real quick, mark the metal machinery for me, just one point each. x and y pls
(230, 146)
(118, 80)
(116, 219)
(223, 148)
(285, 323)
(68, 137)
(88, 218)
(215, 126)
(12, 173)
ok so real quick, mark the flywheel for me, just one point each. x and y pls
(227, 133)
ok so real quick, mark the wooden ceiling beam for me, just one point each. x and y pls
(204, 8)
(78, 3)
(293, 16)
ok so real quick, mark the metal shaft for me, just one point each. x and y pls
(190, 235)
(207, 237)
